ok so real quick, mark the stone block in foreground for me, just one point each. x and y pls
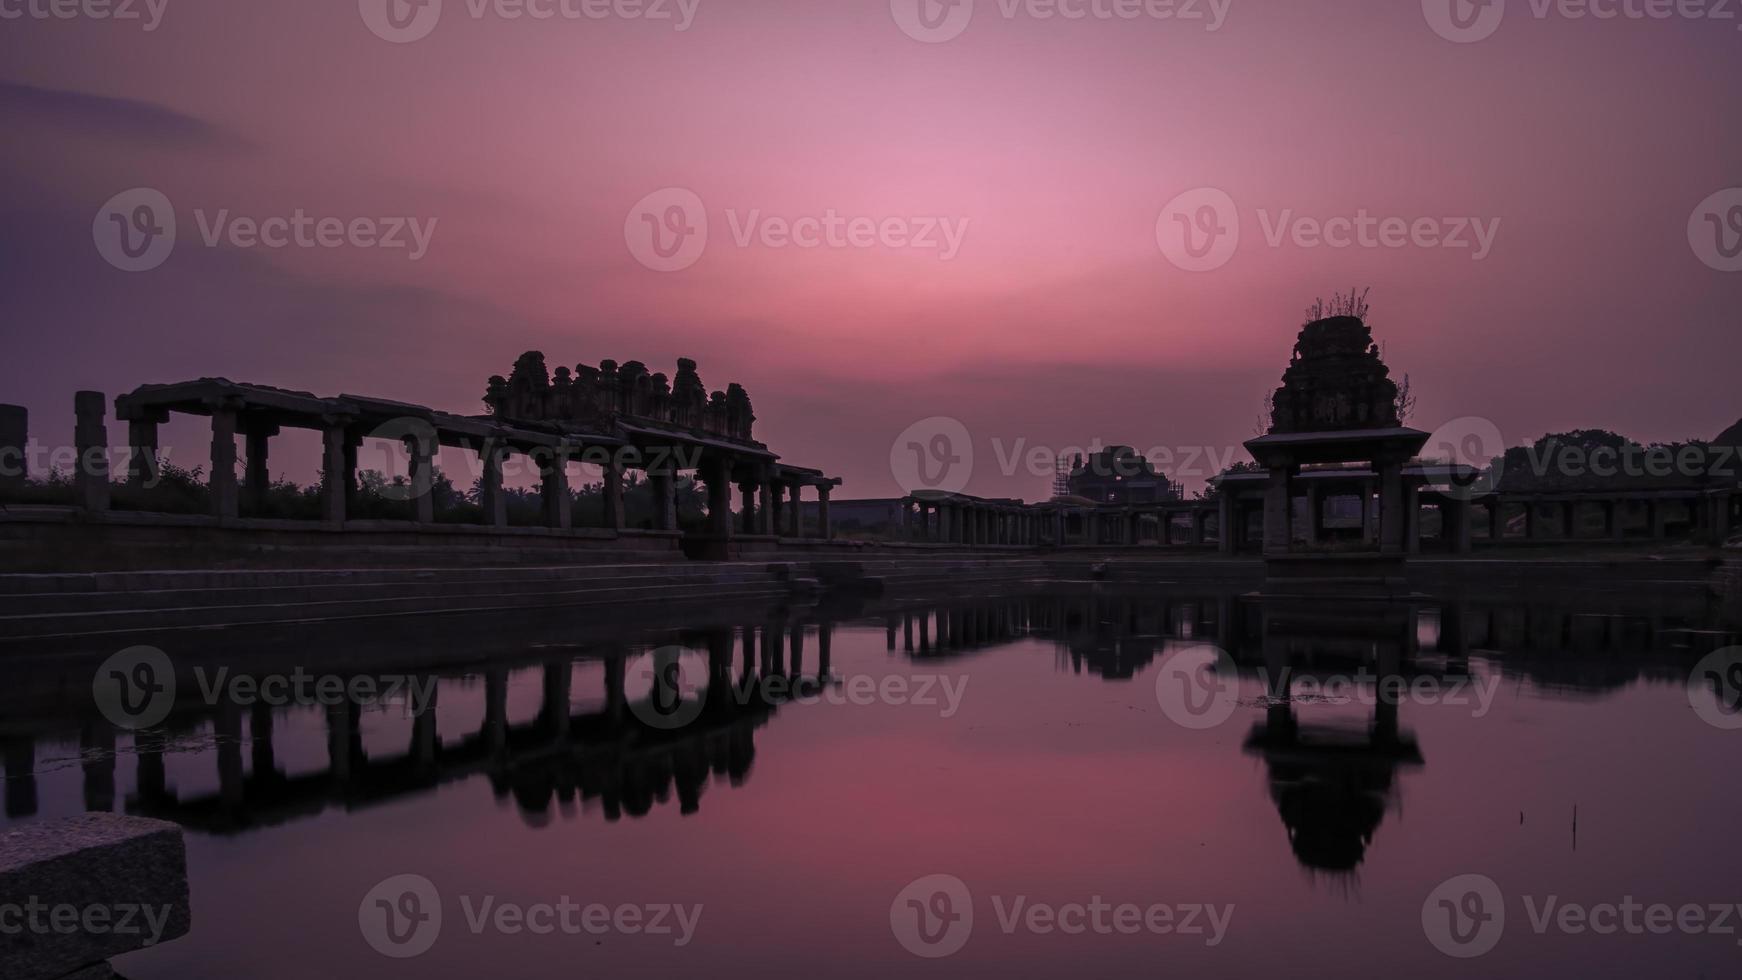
(75, 892)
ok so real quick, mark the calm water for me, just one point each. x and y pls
(1055, 750)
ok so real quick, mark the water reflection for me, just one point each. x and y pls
(1331, 779)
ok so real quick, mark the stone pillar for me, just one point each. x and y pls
(664, 487)
(747, 507)
(1278, 512)
(1412, 519)
(223, 478)
(1458, 513)
(1611, 520)
(554, 486)
(719, 498)
(1719, 524)
(142, 465)
(1569, 520)
(91, 441)
(795, 519)
(825, 526)
(612, 493)
(938, 527)
(767, 504)
(422, 453)
(1228, 536)
(1315, 529)
(1656, 518)
(258, 475)
(14, 439)
(1496, 520)
(338, 471)
(1531, 523)
(1393, 519)
(1200, 518)
(490, 496)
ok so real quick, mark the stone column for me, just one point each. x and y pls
(338, 470)
(747, 507)
(1657, 518)
(554, 486)
(1458, 512)
(1718, 507)
(1569, 520)
(664, 487)
(1228, 536)
(612, 492)
(14, 439)
(223, 478)
(1315, 529)
(1393, 519)
(1200, 518)
(490, 496)
(719, 499)
(258, 475)
(142, 465)
(795, 519)
(1496, 520)
(825, 526)
(422, 453)
(91, 441)
(938, 525)
(1531, 523)
(1611, 520)
(1412, 519)
(1278, 512)
(769, 505)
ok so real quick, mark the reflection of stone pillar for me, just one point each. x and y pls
(20, 753)
(338, 471)
(341, 736)
(425, 740)
(825, 648)
(554, 487)
(496, 708)
(150, 779)
(91, 441)
(227, 727)
(825, 526)
(1278, 512)
(97, 752)
(258, 476)
(1393, 521)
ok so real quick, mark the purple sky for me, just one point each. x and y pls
(1051, 148)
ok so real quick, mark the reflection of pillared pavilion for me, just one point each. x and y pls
(1337, 405)
(1332, 783)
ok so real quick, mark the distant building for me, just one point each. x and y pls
(1117, 475)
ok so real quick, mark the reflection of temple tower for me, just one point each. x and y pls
(1332, 783)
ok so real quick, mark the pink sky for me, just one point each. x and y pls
(1053, 145)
